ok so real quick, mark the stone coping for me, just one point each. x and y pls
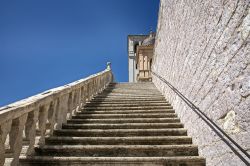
(20, 107)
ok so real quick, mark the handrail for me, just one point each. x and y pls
(223, 135)
(38, 116)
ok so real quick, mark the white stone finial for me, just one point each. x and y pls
(109, 65)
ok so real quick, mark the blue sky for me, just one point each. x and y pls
(48, 43)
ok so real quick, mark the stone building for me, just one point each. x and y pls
(140, 54)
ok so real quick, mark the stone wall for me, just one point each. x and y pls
(202, 48)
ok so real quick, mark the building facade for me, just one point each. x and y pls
(140, 54)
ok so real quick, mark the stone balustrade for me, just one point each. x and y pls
(25, 124)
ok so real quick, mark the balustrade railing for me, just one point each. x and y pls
(25, 124)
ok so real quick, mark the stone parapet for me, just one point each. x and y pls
(25, 124)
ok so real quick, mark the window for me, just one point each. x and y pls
(135, 46)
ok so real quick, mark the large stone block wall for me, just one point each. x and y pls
(202, 48)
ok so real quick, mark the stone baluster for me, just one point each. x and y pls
(100, 85)
(93, 88)
(103, 83)
(105, 80)
(79, 99)
(75, 101)
(88, 91)
(42, 117)
(96, 86)
(62, 111)
(70, 105)
(82, 97)
(4, 131)
(85, 92)
(16, 138)
(30, 130)
(52, 115)
(77, 104)
(65, 108)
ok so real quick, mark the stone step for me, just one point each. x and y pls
(129, 97)
(128, 89)
(138, 89)
(136, 86)
(118, 150)
(127, 108)
(127, 120)
(150, 89)
(121, 132)
(129, 83)
(131, 94)
(113, 116)
(113, 161)
(131, 88)
(125, 104)
(142, 94)
(140, 85)
(103, 99)
(123, 126)
(128, 124)
(126, 111)
(128, 92)
(159, 140)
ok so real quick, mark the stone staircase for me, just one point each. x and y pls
(127, 124)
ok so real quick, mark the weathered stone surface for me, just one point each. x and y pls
(137, 132)
(202, 48)
(32, 119)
